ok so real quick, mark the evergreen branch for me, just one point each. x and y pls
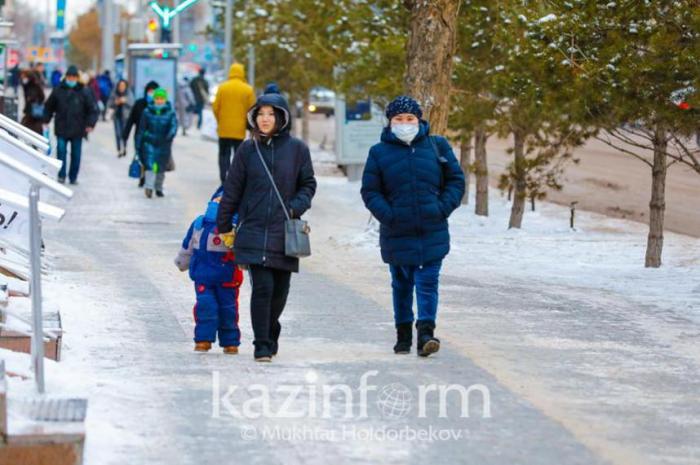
(623, 150)
(627, 140)
(694, 162)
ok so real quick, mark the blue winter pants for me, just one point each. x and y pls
(216, 310)
(62, 152)
(424, 280)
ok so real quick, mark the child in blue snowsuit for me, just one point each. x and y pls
(216, 280)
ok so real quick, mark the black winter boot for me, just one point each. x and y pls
(427, 343)
(404, 338)
(262, 352)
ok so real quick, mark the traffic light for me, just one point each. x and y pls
(152, 25)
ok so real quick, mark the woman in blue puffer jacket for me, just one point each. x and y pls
(154, 139)
(412, 183)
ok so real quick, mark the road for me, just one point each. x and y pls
(604, 181)
(129, 328)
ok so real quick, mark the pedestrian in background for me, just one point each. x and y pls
(56, 76)
(157, 129)
(200, 89)
(120, 103)
(15, 77)
(259, 241)
(40, 70)
(33, 113)
(186, 105)
(105, 86)
(135, 118)
(233, 100)
(412, 183)
(76, 114)
(94, 87)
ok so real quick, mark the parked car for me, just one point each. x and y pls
(322, 101)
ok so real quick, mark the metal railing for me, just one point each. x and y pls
(21, 155)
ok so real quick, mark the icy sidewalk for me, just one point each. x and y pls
(511, 326)
(569, 320)
(127, 314)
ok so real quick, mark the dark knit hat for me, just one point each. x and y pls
(72, 71)
(272, 88)
(403, 104)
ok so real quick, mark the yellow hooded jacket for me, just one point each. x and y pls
(233, 100)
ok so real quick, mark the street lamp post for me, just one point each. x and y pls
(107, 35)
(228, 30)
(167, 14)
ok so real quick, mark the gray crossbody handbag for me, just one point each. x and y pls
(296, 232)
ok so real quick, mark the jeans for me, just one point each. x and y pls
(61, 153)
(154, 181)
(216, 311)
(119, 124)
(199, 109)
(104, 101)
(424, 279)
(225, 155)
(269, 296)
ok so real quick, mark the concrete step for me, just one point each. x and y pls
(40, 431)
(17, 337)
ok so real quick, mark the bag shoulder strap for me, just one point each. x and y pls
(442, 161)
(272, 180)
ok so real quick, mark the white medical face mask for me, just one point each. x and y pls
(405, 132)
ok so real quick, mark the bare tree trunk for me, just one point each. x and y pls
(657, 205)
(431, 45)
(519, 197)
(465, 161)
(305, 120)
(532, 203)
(481, 171)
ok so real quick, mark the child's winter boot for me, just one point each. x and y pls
(404, 338)
(231, 350)
(202, 346)
(427, 343)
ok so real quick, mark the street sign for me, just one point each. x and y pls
(167, 13)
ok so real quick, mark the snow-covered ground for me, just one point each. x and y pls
(588, 356)
(602, 254)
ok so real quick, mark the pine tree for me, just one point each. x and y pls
(638, 71)
(473, 102)
(374, 61)
(536, 103)
(297, 44)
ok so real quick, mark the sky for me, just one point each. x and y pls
(74, 8)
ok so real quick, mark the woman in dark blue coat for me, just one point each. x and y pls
(412, 183)
(259, 239)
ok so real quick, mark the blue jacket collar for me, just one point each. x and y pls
(390, 138)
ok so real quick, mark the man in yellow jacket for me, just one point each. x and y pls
(233, 100)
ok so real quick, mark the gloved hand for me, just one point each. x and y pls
(228, 238)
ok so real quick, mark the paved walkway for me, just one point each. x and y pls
(152, 398)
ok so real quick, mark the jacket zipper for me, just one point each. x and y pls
(415, 197)
(269, 203)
